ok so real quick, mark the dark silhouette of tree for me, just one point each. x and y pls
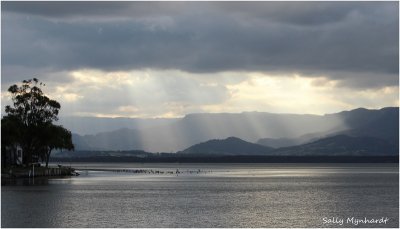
(11, 131)
(54, 138)
(32, 114)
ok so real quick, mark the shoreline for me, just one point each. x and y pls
(30, 172)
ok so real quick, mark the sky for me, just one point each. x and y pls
(169, 59)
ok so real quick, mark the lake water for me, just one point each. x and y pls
(207, 195)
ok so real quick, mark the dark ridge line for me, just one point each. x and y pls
(236, 159)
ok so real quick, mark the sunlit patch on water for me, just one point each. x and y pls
(234, 171)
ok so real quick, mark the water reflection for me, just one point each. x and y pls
(25, 181)
(38, 181)
(229, 196)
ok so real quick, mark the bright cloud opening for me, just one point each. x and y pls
(172, 93)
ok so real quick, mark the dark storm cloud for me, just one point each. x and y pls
(346, 38)
(59, 9)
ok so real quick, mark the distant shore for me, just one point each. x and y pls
(235, 159)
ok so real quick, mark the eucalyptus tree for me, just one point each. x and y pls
(32, 112)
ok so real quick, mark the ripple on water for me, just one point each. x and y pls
(229, 196)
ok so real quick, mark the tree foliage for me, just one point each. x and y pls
(11, 132)
(54, 137)
(30, 105)
(29, 122)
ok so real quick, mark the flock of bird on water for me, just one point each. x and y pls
(151, 171)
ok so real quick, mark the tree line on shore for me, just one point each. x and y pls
(28, 126)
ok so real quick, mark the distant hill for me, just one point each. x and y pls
(382, 124)
(85, 154)
(228, 146)
(94, 125)
(280, 130)
(279, 142)
(342, 145)
(196, 128)
(285, 142)
(339, 145)
(333, 146)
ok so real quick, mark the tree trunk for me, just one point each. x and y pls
(26, 156)
(48, 157)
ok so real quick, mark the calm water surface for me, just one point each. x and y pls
(220, 195)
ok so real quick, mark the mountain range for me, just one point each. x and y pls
(279, 131)
(338, 145)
